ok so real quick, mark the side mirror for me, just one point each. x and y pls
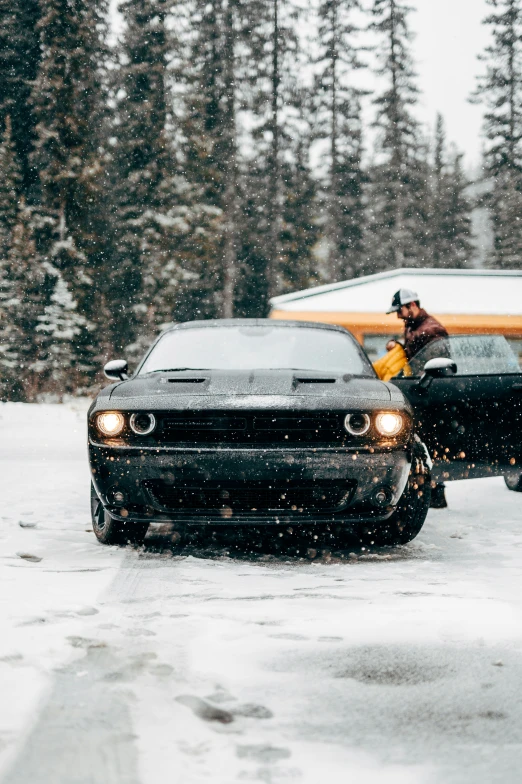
(440, 367)
(116, 370)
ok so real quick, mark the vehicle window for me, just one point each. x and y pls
(375, 345)
(475, 355)
(258, 348)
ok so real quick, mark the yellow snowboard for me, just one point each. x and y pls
(392, 363)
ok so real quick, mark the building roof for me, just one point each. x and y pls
(451, 291)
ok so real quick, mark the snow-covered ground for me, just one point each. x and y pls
(129, 665)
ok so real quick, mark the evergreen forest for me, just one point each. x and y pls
(217, 154)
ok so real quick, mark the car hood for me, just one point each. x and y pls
(249, 389)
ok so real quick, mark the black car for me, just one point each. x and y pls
(255, 422)
(466, 392)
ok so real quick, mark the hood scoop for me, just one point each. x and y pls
(185, 380)
(310, 380)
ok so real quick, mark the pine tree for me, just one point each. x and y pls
(61, 326)
(149, 217)
(282, 45)
(297, 235)
(68, 99)
(397, 201)
(200, 120)
(199, 283)
(10, 179)
(254, 259)
(276, 100)
(22, 355)
(9, 184)
(216, 77)
(450, 213)
(505, 201)
(338, 124)
(437, 188)
(500, 89)
(68, 103)
(458, 226)
(229, 165)
(300, 231)
(19, 61)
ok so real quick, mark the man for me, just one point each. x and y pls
(419, 329)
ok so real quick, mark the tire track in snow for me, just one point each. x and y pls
(83, 734)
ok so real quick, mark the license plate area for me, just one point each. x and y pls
(253, 496)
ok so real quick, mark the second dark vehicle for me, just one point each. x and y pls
(255, 422)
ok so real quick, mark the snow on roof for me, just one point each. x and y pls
(455, 291)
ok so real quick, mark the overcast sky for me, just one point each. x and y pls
(449, 38)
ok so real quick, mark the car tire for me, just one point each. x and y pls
(513, 481)
(110, 531)
(411, 511)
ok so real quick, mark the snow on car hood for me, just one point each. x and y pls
(250, 389)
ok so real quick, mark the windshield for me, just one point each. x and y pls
(257, 348)
(475, 355)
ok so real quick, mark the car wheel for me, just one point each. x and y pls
(410, 514)
(513, 482)
(110, 531)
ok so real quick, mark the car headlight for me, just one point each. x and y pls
(389, 424)
(110, 423)
(142, 424)
(357, 424)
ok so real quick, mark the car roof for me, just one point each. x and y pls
(253, 322)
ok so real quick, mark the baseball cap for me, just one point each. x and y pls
(402, 297)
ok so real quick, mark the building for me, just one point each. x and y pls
(465, 301)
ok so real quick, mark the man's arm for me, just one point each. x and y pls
(429, 330)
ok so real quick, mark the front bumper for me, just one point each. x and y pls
(131, 472)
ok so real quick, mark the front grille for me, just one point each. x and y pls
(259, 427)
(229, 498)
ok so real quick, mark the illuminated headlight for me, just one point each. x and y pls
(357, 424)
(389, 424)
(110, 423)
(142, 424)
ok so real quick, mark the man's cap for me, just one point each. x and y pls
(402, 297)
